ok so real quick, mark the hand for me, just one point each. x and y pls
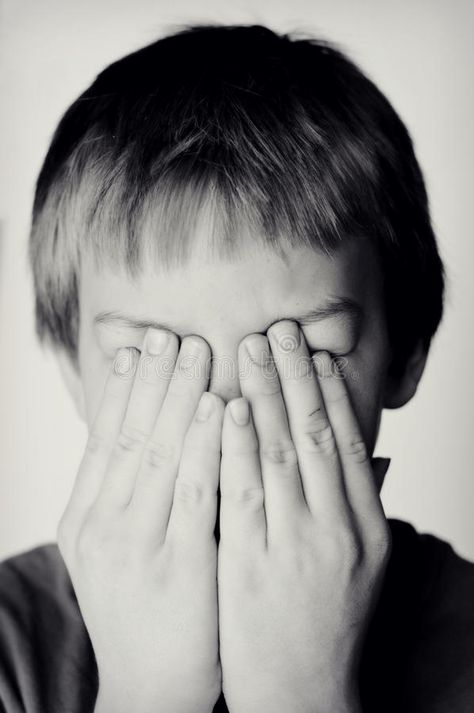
(304, 539)
(137, 535)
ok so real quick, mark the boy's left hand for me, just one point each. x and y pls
(304, 541)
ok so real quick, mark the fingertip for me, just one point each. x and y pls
(209, 404)
(125, 362)
(219, 404)
(239, 410)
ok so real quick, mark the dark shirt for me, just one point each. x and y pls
(418, 656)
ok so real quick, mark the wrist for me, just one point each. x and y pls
(110, 701)
(115, 702)
(274, 698)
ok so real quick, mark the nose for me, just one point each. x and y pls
(224, 374)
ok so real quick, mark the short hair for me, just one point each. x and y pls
(280, 133)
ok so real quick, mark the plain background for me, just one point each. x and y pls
(420, 53)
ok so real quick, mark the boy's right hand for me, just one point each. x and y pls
(137, 535)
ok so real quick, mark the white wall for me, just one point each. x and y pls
(419, 52)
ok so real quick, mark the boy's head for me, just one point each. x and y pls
(219, 180)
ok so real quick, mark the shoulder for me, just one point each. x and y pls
(448, 599)
(456, 573)
(41, 569)
(443, 579)
(35, 586)
(46, 660)
(441, 664)
(419, 651)
(32, 583)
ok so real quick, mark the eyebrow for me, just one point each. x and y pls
(345, 308)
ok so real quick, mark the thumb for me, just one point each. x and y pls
(380, 467)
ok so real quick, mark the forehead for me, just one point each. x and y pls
(252, 290)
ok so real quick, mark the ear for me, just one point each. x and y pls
(400, 389)
(72, 378)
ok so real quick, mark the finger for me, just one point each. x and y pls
(310, 426)
(102, 436)
(154, 485)
(194, 509)
(242, 512)
(284, 497)
(358, 476)
(153, 374)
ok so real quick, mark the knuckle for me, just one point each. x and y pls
(189, 490)
(130, 440)
(246, 497)
(352, 548)
(319, 438)
(96, 442)
(355, 447)
(159, 453)
(345, 547)
(382, 545)
(93, 539)
(234, 453)
(279, 453)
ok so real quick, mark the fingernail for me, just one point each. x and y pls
(257, 349)
(240, 412)
(125, 361)
(287, 336)
(156, 341)
(205, 407)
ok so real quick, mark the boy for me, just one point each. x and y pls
(234, 262)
